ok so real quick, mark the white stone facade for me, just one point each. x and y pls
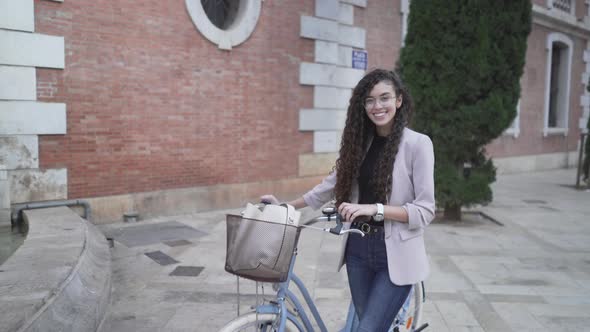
(331, 74)
(22, 117)
(585, 99)
(569, 24)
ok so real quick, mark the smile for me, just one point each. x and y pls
(381, 114)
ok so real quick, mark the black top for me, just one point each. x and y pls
(367, 172)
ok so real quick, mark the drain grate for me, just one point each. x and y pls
(549, 208)
(534, 201)
(161, 258)
(142, 235)
(187, 271)
(177, 243)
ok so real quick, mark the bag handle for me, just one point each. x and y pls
(290, 209)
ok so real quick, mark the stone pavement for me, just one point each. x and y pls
(531, 274)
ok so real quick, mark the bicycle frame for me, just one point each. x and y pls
(283, 293)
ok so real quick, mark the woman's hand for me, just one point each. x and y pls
(269, 199)
(351, 211)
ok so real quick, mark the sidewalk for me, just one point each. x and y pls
(531, 274)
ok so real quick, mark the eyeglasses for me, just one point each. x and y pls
(383, 101)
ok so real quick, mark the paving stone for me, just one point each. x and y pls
(456, 313)
(532, 274)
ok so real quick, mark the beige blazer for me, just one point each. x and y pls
(413, 190)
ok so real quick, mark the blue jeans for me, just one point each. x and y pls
(376, 299)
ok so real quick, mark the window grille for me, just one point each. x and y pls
(563, 5)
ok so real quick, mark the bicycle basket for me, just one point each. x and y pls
(259, 250)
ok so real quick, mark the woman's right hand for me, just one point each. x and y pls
(269, 199)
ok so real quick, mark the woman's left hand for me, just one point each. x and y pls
(351, 211)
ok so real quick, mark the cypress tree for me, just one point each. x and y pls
(462, 62)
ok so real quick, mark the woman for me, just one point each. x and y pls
(383, 183)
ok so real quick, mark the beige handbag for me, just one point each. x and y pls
(261, 242)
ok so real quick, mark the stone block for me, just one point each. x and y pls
(326, 141)
(347, 77)
(329, 75)
(4, 191)
(329, 9)
(585, 77)
(326, 52)
(316, 74)
(351, 36)
(31, 185)
(582, 122)
(539, 162)
(18, 83)
(316, 163)
(19, 151)
(32, 118)
(329, 97)
(17, 15)
(587, 56)
(345, 56)
(358, 3)
(5, 217)
(585, 100)
(318, 119)
(31, 49)
(346, 14)
(318, 28)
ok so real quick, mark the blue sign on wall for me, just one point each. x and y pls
(359, 59)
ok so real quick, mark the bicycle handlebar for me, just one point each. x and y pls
(330, 214)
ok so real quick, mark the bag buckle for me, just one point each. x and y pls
(365, 228)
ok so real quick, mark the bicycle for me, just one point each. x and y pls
(285, 311)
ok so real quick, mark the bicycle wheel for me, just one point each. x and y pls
(413, 318)
(257, 322)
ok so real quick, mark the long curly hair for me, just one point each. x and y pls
(359, 130)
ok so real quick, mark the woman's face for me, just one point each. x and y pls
(381, 105)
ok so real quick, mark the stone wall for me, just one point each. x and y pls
(23, 117)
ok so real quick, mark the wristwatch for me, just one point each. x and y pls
(379, 215)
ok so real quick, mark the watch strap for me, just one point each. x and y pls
(379, 216)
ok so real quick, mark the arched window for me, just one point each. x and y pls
(557, 84)
(514, 129)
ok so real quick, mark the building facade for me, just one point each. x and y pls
(165, 107)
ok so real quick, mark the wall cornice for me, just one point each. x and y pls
(555, 19)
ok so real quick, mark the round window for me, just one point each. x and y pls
(226, 23)
(221, 12)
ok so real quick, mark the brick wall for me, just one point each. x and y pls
(531, 140)
(151, 104)
(383, 21)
